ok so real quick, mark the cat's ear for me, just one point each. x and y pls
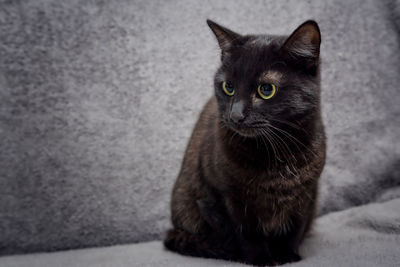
(225, 37)
(304, 43)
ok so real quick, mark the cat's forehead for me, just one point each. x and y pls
(272, 76)
(255, 48)
(261, 41)
(254, 58)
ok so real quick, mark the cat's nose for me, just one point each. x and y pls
(237, 112)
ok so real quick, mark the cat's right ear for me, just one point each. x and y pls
(225, 37)
(303, 44)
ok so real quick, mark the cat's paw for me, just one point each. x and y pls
(261, 261)
(287, 257)
(264, 260)
(259, 258)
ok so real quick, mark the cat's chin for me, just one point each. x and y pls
(249, 132)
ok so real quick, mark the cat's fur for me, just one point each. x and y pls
(247, 188)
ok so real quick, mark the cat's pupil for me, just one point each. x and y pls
(229, 87)
(266, 89)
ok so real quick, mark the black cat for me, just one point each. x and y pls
(247, 188)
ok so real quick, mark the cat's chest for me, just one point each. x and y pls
(268, 205)
(263, 198)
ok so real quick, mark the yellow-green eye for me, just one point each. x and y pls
(228, 88)
(266, 90)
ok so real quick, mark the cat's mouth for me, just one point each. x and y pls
(246, 130)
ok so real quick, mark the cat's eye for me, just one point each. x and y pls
(266, 90)
(228, 89)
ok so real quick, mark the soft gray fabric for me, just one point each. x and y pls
(366, 236)
(98, 99)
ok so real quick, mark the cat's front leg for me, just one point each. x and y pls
(214, 212)
(284, 244)
(260, 250)
(254, 247)
(256, 252)
(282, 250)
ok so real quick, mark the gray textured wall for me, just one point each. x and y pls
(98, 98)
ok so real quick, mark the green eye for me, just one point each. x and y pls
(266, 90)
(228, 88)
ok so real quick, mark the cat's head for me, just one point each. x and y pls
(264, 79)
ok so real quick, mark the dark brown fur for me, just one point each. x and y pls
(240, 196)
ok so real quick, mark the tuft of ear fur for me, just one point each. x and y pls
(304, 43)
(224, 36)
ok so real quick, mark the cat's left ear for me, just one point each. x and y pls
(226, 38)
(304, 44)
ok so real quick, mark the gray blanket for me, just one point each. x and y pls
(366, 236)
(98, 99)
